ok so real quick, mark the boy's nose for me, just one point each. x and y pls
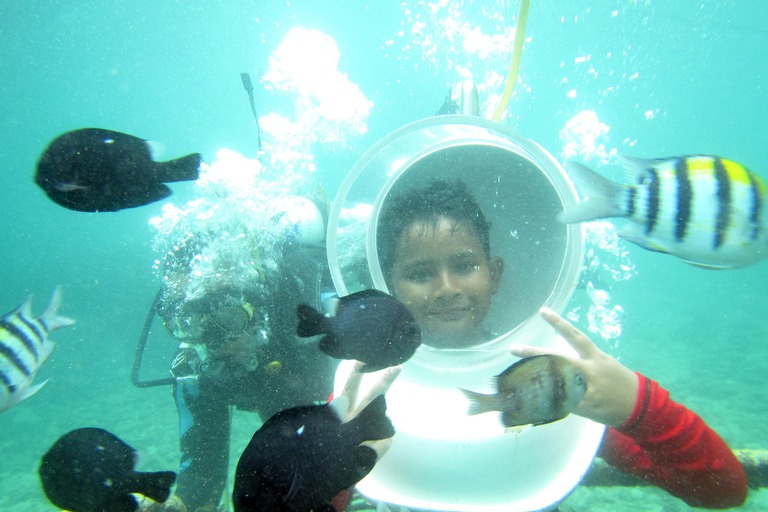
(447, 285)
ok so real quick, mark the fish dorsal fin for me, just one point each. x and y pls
(25, 308)
(346, 301)
(370, 293)
(635, 168)
(50, 319)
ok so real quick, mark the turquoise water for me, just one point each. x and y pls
(667, 80)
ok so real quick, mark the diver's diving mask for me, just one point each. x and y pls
(230, 320)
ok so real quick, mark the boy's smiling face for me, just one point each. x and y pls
(445, 279)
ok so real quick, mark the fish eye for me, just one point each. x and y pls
(411, 329)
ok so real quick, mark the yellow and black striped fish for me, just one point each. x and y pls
(24, 347)
(706, 210)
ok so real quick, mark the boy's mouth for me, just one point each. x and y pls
(447, 314)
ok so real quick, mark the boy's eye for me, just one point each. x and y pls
(418, 276)
(465, 267)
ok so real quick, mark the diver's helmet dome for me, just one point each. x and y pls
(298, 219)
(520, 188)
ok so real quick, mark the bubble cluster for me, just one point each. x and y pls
(606, 262)
(585, 136)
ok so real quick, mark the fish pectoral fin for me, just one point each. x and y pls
(295, 485)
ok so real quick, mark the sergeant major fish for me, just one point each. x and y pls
(91, 470)
(706, 210)
(24, 347)
(302, 457)
(370, 326)
(535, 390)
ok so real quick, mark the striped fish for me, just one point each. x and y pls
(24, 347)
(706, 210)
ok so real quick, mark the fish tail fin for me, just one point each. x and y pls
(186, 168)
(50, 318)
(478, 402)
(311, 322)
(156, 486)
(602, 194)
(372, 422)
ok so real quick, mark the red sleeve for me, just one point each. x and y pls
(669, 446)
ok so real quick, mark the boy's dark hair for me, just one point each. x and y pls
(441, 198)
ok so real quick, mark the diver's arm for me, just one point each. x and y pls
(204, 428)
(669, 446)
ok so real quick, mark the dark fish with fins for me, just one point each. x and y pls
(535, 390)
(248, 86)
(449, 106)
(370, 326)
(91, 470)
(304, 456)
(97, 170)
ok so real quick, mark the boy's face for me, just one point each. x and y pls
(446, 281)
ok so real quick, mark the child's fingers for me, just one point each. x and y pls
(352, 386)
(577, 339)
(520, 350)
(380, 387)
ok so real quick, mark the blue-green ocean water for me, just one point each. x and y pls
(668, 78)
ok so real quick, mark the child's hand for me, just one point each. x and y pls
(611, 387)
(380, 387)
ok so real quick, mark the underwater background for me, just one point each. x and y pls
(663, 78)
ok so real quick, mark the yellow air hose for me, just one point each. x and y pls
(517, 51)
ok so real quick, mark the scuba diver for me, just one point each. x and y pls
(238, 349)
(237, 265)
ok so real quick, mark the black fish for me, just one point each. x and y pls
(91, 470)
(304, 456)
(248, 86)
(369, 326)
(449, 106)
(96, 170)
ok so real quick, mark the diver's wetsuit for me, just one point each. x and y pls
(290, 372)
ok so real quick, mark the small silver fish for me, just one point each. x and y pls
(535, 390)
(706, 210)
(24, 347)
